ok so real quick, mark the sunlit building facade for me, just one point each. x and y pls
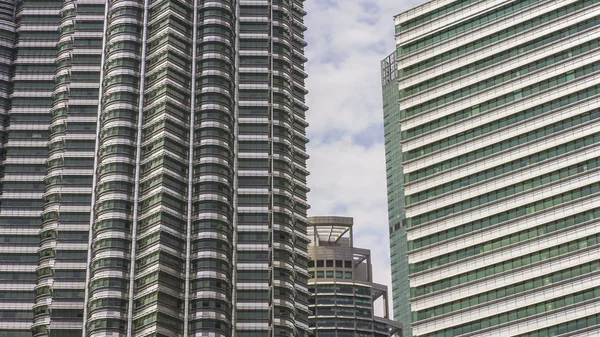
(153, 168)
(493, 152)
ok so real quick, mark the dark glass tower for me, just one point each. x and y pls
(154, 168)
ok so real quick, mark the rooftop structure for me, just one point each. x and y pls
(341, 283)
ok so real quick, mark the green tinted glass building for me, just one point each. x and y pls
(153, 173)
(492, 125)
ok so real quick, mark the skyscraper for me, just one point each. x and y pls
(343, 292)
(493, 152)
(154, 168)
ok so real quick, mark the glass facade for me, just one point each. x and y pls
(343, 293)
(395, 192)
(492, 141)
(153, 168)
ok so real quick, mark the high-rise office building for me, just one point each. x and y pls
(153, 168)
(343, 292)
(493, 152)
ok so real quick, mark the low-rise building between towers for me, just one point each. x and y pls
(341, 284)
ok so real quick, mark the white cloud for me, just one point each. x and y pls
(346, 41)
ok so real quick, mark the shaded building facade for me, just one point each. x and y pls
(341, 284)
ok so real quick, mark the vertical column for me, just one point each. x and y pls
(18, 233)
(236, 179)
(25, 150)
(158, 296)
(136, 179)
(283, 286)
(254, 204)
(94, 170)
(211, 250)
(300, 222)
(190, 178)
(70, 161)
(7, 45)
(271, 251)
(111, 244)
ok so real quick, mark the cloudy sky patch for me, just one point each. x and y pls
(346, 41)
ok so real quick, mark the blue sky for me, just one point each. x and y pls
(346, 41)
